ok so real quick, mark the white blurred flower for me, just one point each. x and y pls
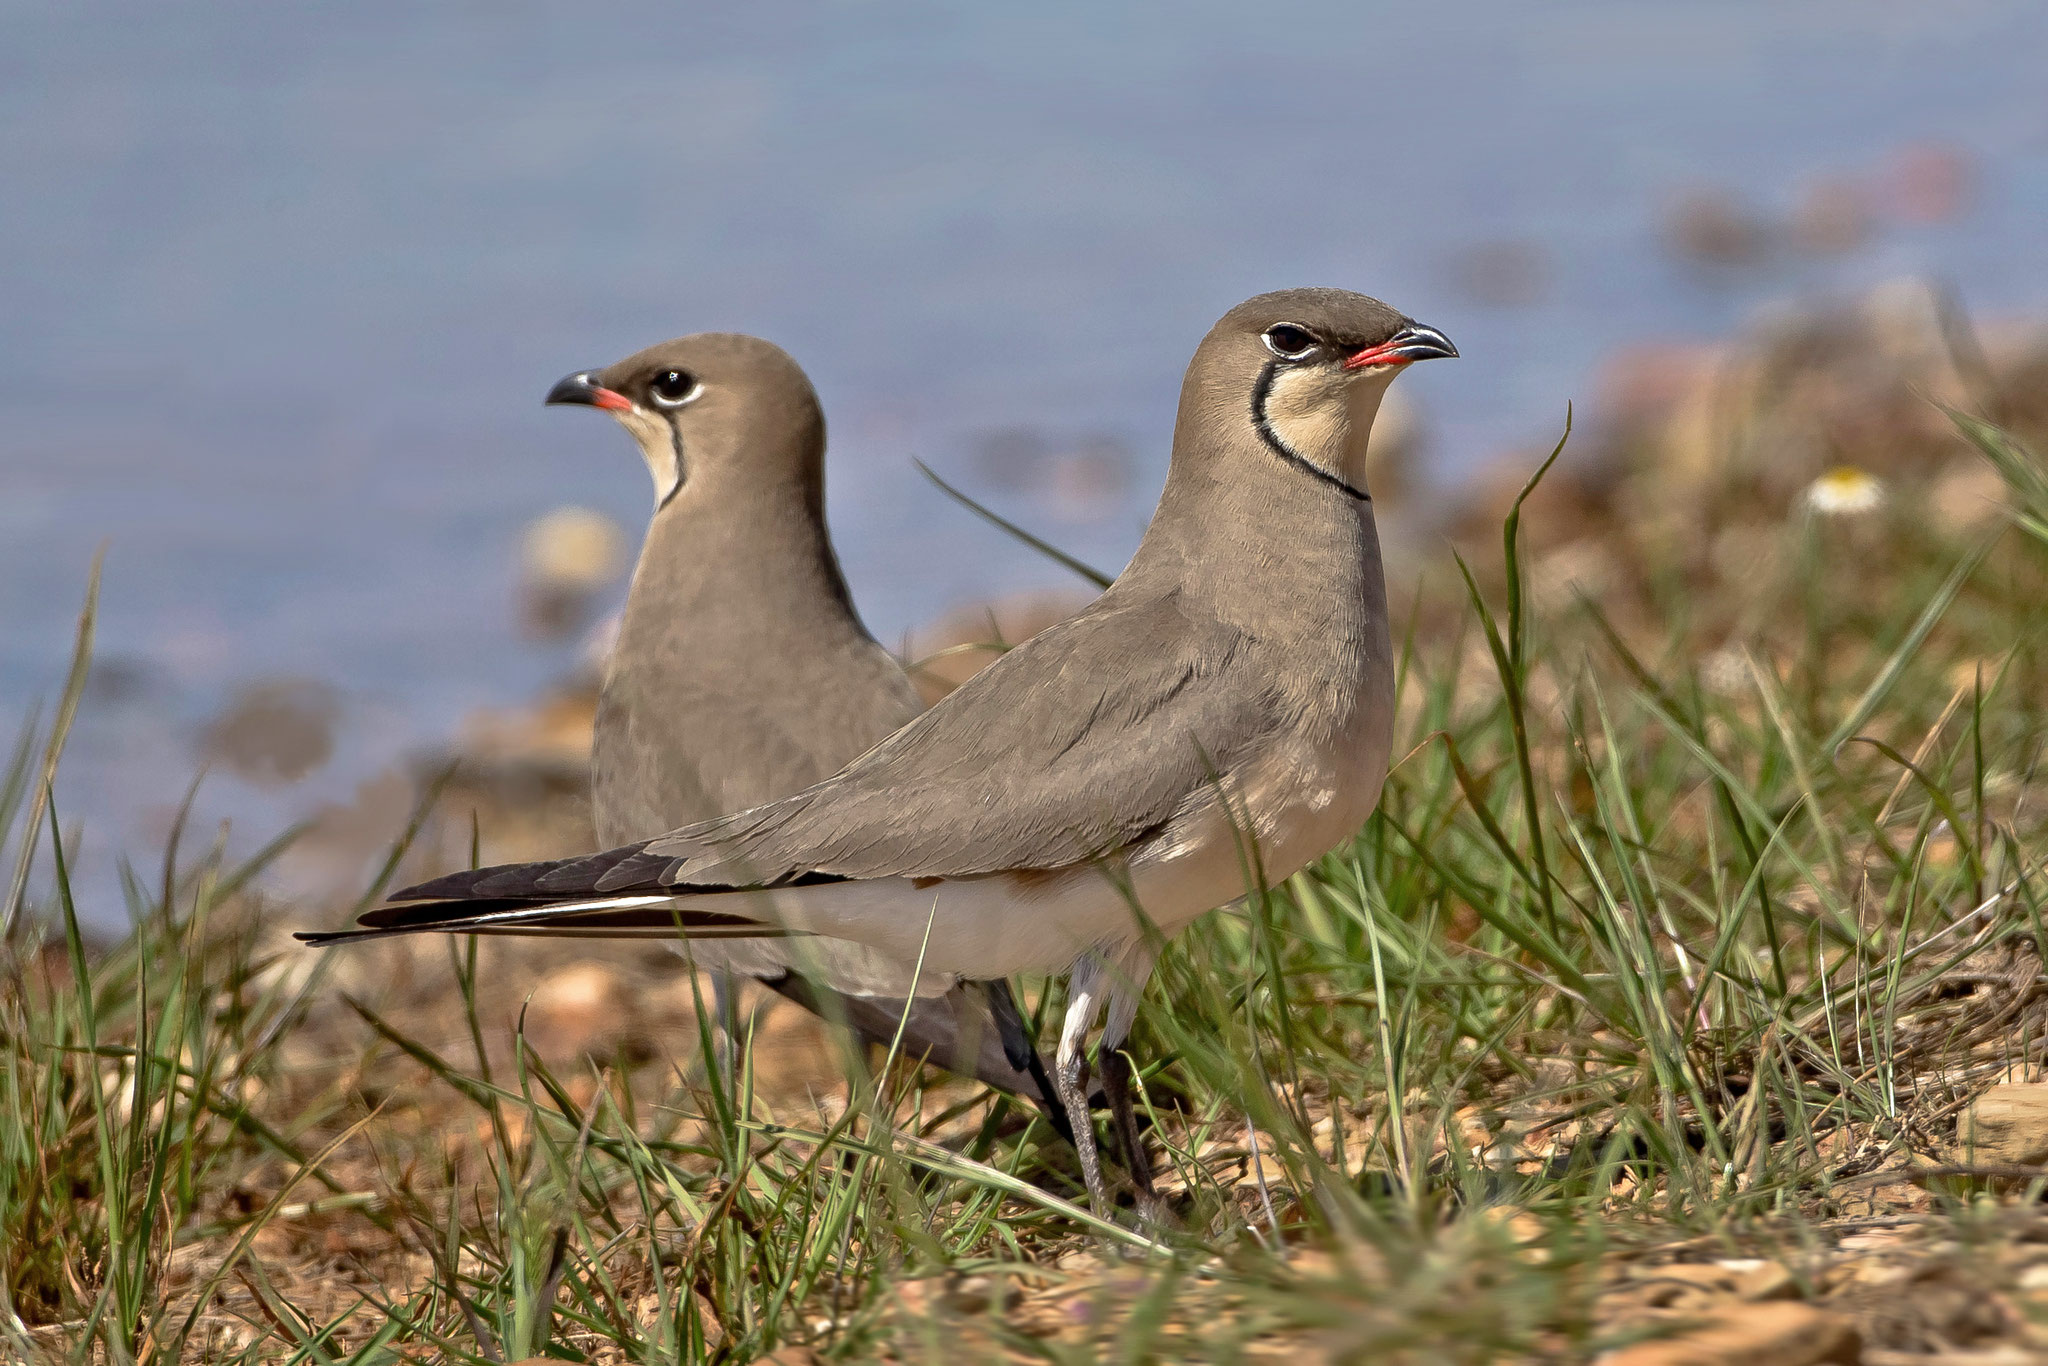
(1726, 671)
(1845, 491)
(566, 559)
(572, 550)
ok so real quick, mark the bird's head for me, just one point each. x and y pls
(1306, 369)
(701, 404)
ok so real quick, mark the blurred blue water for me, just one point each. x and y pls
(281, 286)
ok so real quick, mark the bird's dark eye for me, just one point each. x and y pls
(674, 388)
(1290, 342)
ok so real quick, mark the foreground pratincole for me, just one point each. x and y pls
(741, 672)
(1106, 783)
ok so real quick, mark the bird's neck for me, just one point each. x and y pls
(1260, 542)
(741, 673)
(729, 568)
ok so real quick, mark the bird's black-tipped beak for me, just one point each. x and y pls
(1412, 343)
(583, 388)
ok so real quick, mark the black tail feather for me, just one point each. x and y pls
(531, 916)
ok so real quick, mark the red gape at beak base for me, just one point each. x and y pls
(610, 399)
(1386, 353)
(1412, 343)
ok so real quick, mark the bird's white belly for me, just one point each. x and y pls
(1297, 815)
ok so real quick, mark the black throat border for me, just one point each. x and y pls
(675, 445)
(1260, 392)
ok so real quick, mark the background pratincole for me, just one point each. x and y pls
(1223, 711)
(741, 673)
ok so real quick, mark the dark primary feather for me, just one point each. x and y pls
(572, 876)
(498, 880)
(624, 870)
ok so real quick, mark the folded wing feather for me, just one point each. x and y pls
(1093, 734)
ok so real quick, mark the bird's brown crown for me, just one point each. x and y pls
(720, 364)
(1336, 318)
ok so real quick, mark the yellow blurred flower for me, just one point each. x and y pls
(1845, 491)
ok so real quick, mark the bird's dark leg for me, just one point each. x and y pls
(1133, 967)
(1018, 1045)
(1022, 1052)
(1116, 1085)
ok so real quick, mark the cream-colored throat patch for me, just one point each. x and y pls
(657, 441)
(1324, 415)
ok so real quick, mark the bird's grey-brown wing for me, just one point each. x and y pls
(1094, 733)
